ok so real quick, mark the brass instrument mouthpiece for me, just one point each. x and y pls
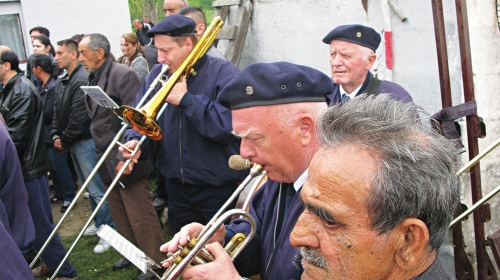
(236, 162)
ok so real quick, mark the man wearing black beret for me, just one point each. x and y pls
(197, 143)
(352, 55)
(274, 107)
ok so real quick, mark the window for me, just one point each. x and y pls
(12, 35)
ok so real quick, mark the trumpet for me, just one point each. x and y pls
(195, 253)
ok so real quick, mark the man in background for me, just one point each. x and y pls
(130, 201)
(147, 22)
(172, 7)
(141, 31)
(201, 25)
(21, 108)
(352, 55)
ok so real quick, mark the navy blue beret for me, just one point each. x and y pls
(263, 84)
(175, 26)
(355, 33)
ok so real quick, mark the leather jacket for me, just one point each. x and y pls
(71, 122)
(22, 109)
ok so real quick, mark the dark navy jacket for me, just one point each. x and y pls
(197, 140)
(396, 91)
(14, 212)
(270, 252)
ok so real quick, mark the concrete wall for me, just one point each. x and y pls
(65, 18)
(291, 30)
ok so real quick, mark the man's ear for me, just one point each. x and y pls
(412, 245)
(200, 29)
(188, 43)
(306, 124)
(100, 53)
(371, 60)
(7, 65)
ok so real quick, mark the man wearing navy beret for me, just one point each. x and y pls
(274, 107)
(197, 143)
(352, 55)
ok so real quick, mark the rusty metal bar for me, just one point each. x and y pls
(463, 266)
(442, 54)
(485, 269)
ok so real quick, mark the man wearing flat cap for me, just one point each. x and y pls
(197, 140)
(274, 107)
(352, 55)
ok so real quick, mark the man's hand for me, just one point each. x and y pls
(127, 170)
(58, 145)
(222, 268)
(177, 92)
(126, 154)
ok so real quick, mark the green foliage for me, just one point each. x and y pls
(154, 8)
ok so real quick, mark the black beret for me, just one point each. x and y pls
(175, 26)
(355, 33)
(263, 84)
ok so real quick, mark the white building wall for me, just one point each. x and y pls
(66, 18)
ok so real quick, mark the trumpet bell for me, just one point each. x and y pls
(141, 122)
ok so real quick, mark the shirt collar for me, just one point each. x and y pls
(300, 181)
(352, 94)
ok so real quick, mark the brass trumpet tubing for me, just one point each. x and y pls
(255, 171)
(94, 171)
(103, 200)
(479, 157)
(203, 240)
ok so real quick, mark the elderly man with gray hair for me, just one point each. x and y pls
(380, 194)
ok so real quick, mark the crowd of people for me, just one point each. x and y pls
(359, 185)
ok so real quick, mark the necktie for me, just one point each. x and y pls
(290, 193)
(344, 98)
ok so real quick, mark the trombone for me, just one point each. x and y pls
(480, 202)
(143, 120)
(160, 77)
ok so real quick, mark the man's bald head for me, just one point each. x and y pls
(172, 7)
(4, 48)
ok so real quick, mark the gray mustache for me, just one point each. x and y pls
(313, 256)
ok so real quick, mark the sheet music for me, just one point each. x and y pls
(124, 247)
(100, 97)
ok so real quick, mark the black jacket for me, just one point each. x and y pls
(71, 122)
(47, 95)
(21, 107)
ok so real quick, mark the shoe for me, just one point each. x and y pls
(55, 199)
(91, 230)
(65, 206)
(150, 275)
(101, 247)
(42, 271)
(159, 203)
(86, 195)
(121, 264)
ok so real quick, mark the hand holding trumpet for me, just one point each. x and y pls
(221, 268)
